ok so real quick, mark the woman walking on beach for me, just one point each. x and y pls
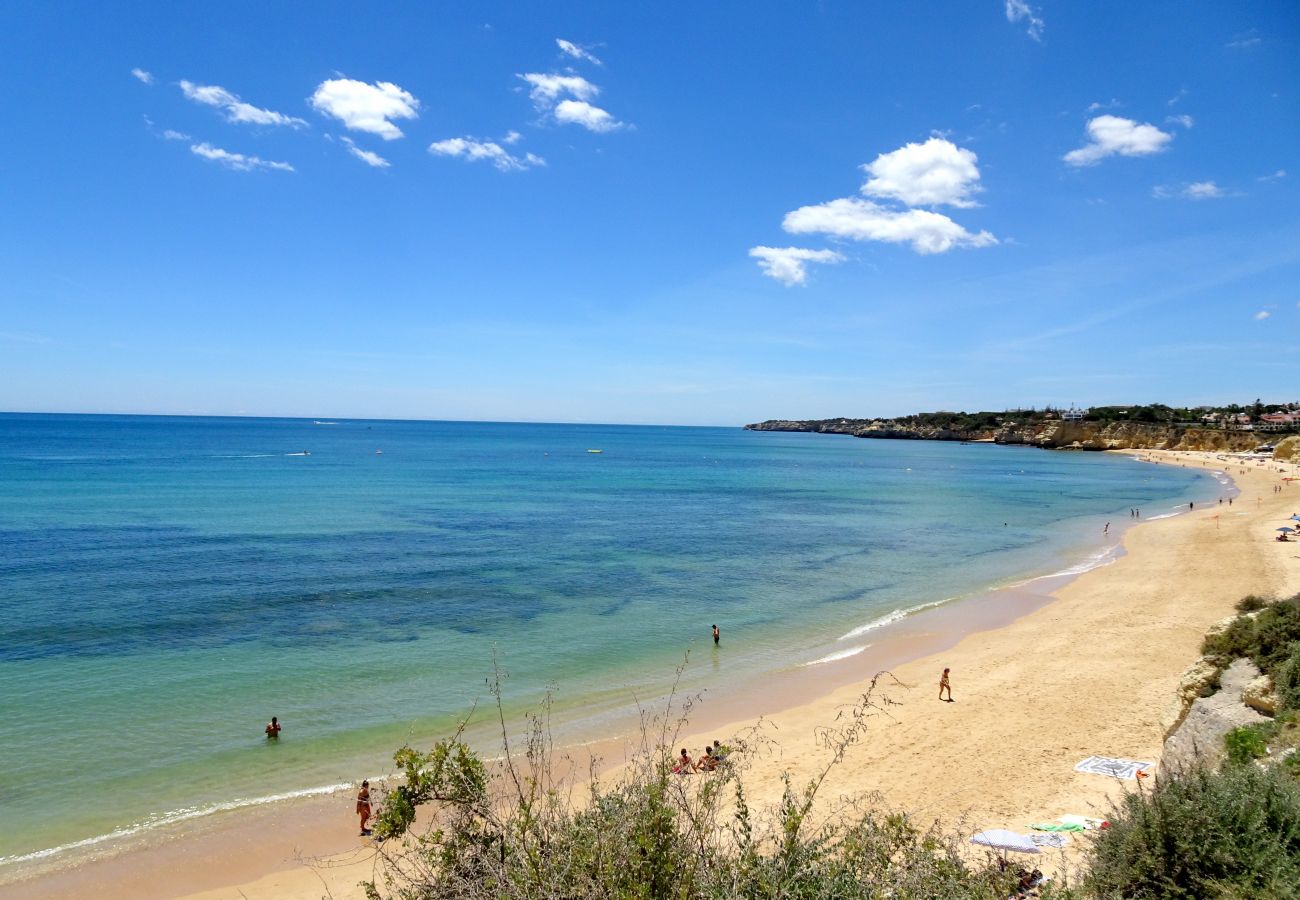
(363, 806)
(945, 686)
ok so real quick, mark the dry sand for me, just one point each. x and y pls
(1089, 673)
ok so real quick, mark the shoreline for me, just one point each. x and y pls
(204, 861)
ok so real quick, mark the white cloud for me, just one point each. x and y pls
(472, 150)
(236, 109)
(1280, 173)
(172, 135)
(365, 107)
(512, 137)
(143, 76)
(546, 89)
(236, 161)
(1094, 106)
(1018, 10)
(369, 157)
(1112, 135)
(1182, 92)
(1197, 190)
(788, 265)
(862, 220)
(926, 174)
(1245, 40)
(1184, 120)
(568, 48)
(580, 112)
(1262, 315)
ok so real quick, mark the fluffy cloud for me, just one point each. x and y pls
(369, 157)
(1262, 315)
(1115, 136)
(862, 220)
(1197, 190)
(926, 174)
(170, 134)
(143, 76)
(580, 112)
(236, 109)
(568, 48)
(473, 150)
(365, 107)
(788, 265)
(1019, 10)
(237, 161)
(546, 89)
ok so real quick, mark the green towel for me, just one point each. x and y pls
(1056, 826)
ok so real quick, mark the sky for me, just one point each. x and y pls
(647, 213)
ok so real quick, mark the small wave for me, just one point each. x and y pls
(324, 423)
(246, 456)
(843, 654)
(895, 616)
(183, 814)
(1096, 561)
(1168, 515)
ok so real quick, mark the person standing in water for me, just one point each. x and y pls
(363, 806)
(273, 729)
(717, 635)
(945, 686)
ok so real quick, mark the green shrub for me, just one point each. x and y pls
(1234, 834)
(1251, 603)
(1286, 680)
(1245, 745)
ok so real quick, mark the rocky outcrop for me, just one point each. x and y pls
(1197, 682)
(1288, 448)
(1054, 434)
(1198, 740)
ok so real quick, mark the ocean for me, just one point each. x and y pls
(168, 584)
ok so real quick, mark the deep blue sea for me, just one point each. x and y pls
(168, 584)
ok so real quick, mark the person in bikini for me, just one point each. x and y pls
(945, 686)
(363, 806)
(273, 729)
(685, 765)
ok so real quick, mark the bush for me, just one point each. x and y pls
(1251, 603)
(1234, 834)
(1245, 745)
(1286, 680)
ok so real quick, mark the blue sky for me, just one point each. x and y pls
(676, 213)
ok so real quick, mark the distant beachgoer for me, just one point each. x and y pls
(273, 729)
(1191, 505)
(708, 762)
(720, 752)
(945, 686)
(363, 806)
(685, 765)
(717, 635)
(1106, 529)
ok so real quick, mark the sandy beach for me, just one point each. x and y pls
(1091, 672)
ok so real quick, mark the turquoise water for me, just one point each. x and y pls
(168, 584)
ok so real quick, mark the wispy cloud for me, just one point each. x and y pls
(1245, 40)
(23, 337)
(369, 157)
(570, 49)
(472, 150)
(1111, 104)
(580, 112)
(1197, 190)
(170, 134)
(236, 110)
(365, 107)
(1021, 11)
(237, 161)
(1115, 136)
(1262, 315)
(1184, 120)
(788, 265)
(1280, 173)
(142, 76)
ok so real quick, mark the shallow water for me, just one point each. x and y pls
(167, 584)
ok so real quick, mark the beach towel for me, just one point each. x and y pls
(1116, 768)
(1085, 821)
(1057, 826)
(1049, 840)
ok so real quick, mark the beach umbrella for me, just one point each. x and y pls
(1296, 518)
(1001, 839)
(1284, 528)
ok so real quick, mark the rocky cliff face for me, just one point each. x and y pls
(1051, 434)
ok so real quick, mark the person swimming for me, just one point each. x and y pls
(273, 729)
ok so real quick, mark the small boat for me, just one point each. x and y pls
(595, 451)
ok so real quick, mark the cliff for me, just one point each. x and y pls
(1052, 434)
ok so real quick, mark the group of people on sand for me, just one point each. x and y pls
(713, 756)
